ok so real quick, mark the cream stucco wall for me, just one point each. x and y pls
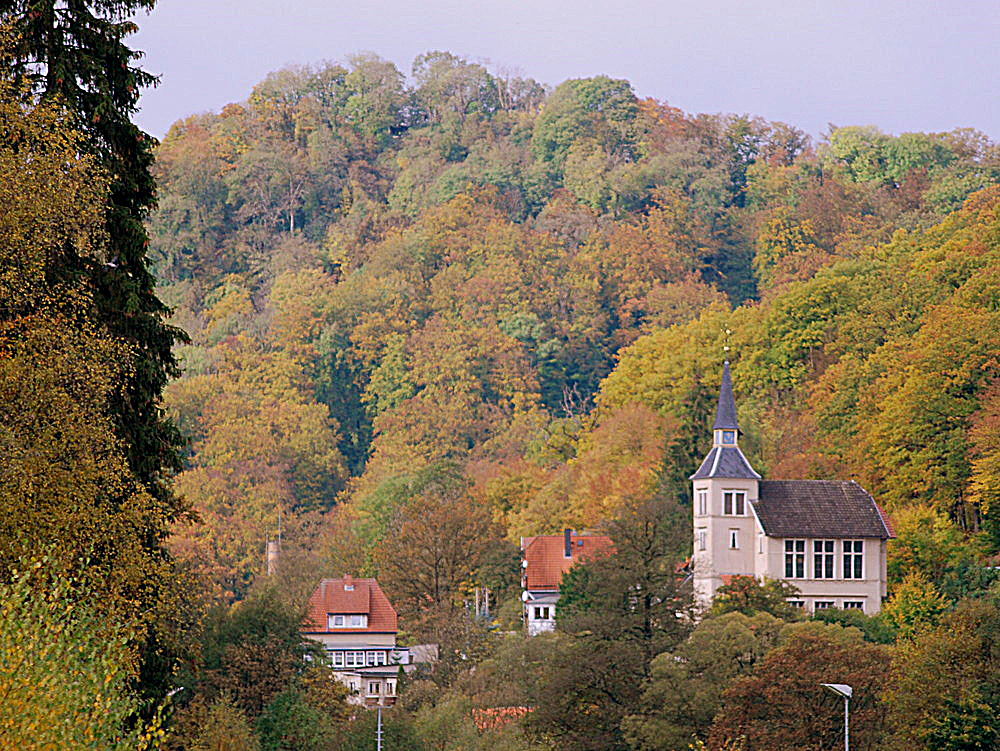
(719, 558)
(762, 556)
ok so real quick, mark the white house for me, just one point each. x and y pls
(356, 623)
(827, 538)
(544, 560)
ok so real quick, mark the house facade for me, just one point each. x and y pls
(356, 624)
(827, 538)
(544, 560)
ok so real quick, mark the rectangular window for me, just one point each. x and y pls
(734, 502)
(390, 687)
(334, 621)
(734, 539)
(854, 605)
(541, 613)
(702, 502)
(373, 688)
(823, 604)
(702, 536)
(349, 659)
(854, 567)
(822, 559)
(371, 658)
(380, 658)
(797, 603)
(795, 559)
(760, 543)
(338, 659)
(359, 621)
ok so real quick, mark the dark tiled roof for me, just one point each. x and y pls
(818, 508)
(547, 561)
(334, 596)
(727, 462)
(725, 415)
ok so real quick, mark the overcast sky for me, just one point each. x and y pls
(913, 65)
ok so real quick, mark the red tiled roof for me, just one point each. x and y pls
(333, 596)
(887, 520)
(547, 561)
(493, 718)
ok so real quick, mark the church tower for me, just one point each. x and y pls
(723, 486)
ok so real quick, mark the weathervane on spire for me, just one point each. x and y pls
(725, 347)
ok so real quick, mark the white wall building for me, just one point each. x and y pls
(827, 538)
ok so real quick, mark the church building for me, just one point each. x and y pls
(827, 538)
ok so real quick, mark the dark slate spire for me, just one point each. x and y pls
(725, 416)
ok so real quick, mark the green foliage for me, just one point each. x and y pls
(685, 686)
(66, 672)
(225, 728)
(965, 725)
(746, 595)
(874, 627)
(915, 606)
(288, 723)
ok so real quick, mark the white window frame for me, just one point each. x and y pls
(337, 659)
(702, 539)
(370, 658)
(854, 559)
(702, 502)
(824, 605)
(735, 501)
(824, 559)
(390, 687)
(854, 605)
(541, 612)
(734, 539)
(795, 553)
(374, 688)
(796, 603)
(359, 621)
(334, 620)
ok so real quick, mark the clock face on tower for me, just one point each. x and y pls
(729, 436)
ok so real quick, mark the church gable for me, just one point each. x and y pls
(818, 509)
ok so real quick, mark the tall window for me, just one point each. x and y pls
(734, 502)
(702, 534)
(823, 559)
(338, 659)
(795, 559)
(854, 567)
(702, 502)
(734, 538)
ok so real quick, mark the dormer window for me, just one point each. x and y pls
(348, 587)
(345, 620)
(728, 437)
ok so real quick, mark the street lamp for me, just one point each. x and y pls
(842, 689)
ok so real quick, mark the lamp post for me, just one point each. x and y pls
(842, 689)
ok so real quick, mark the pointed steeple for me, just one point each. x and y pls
(725, 459)
(725, 415)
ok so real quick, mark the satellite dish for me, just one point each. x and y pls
(525, 596)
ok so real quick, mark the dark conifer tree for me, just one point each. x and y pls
(74, 50)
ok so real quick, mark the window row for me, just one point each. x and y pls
(824, 559)
(345, 620)
(352, 658)
(828, 604)
(734, 503)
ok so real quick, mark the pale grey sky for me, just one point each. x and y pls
(904, 65)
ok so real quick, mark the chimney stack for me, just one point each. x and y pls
(568, 543)
(271, 557)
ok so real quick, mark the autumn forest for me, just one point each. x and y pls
(395, 320)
